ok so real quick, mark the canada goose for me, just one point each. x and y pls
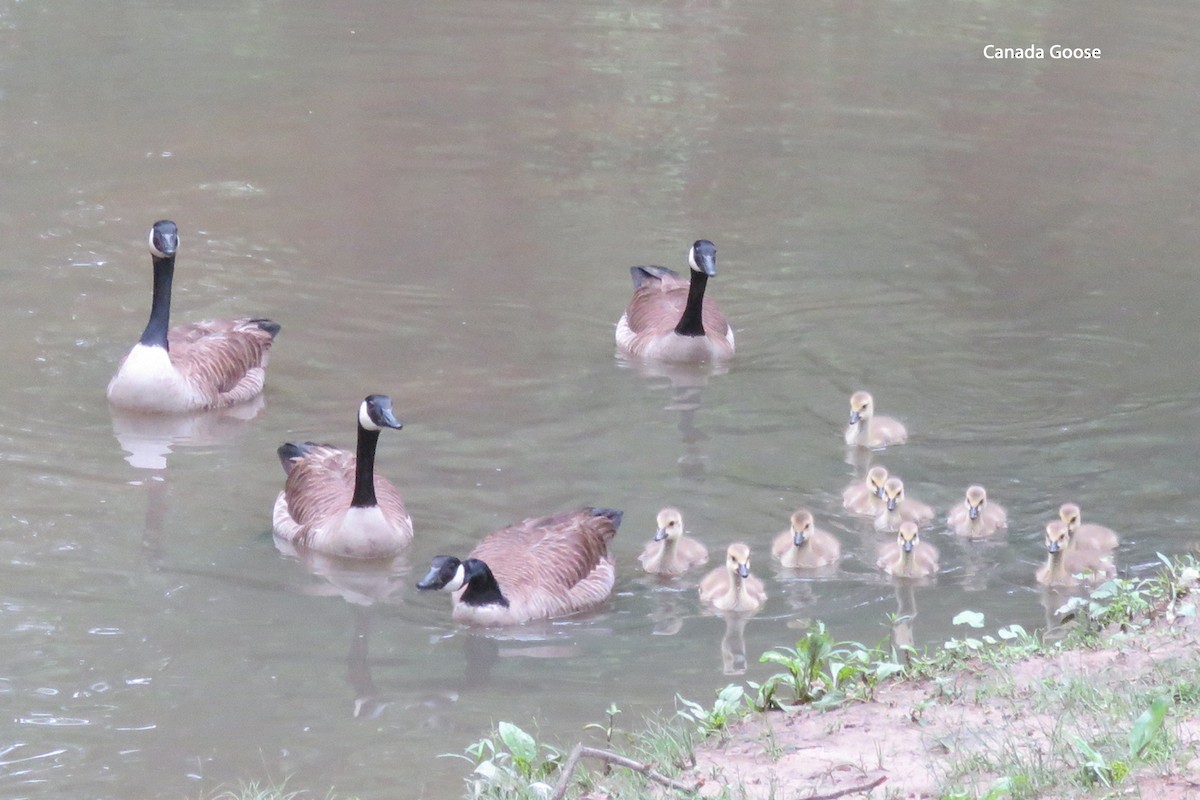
(867, 430)
(1064, 561)
(731, 587)
(209, 364)
(536, 569)
(670, 319)
(898, 507)
(805, 546)
(865, 497)
(977, 517)
(1085, 535)
(333, 501)
(671, 553)
(908, 556)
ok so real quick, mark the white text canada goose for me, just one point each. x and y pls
(865, 497)
(209, 364)
(731, 587)
(670, 319)
(1064, 561)
(977, 517)
(867, 430)
(1085, 535)
(540, 568)
(334, 502)
(804, 545)
(671, 553)
(908, 556)
(898, 507)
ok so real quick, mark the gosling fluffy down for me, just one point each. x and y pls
(977, 517)
(805, 546)
(731, 587)
(540, 568)
(865, 429)
(908, 556)
(670, 552)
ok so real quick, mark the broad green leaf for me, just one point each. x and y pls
(518, 742)
(972, 618)
(1147, 725)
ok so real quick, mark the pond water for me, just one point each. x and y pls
(440, 202)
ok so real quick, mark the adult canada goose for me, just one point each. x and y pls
(1085, 535)
(334, 502)
(1064, 561)
(540, 568)
(671, 553)
(908, 556)
(977, 517)
(867, 430)
(209, 364)
(803, 545)
(865, 497)
(898, 507)
(731, 587)
(670, 319)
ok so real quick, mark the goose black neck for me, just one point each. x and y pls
(364, 470)
(482, 589)
(692, 321)
(155, 334)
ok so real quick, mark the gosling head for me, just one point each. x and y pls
(164, 239)
(375, 413)
(702, 257)
(1071, 514)
(737, 559)
(862, 406)
(876, 478)
(893, 493)
(802, 526)
(907, 536)
(670, 525)
(1057, 536)
(976, 499)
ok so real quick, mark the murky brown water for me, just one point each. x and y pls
(440, 202)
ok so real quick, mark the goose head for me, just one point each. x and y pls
(737, 561)
(893, 493)
(802, 527)
(876, 478)
(164, 239)
(670, 525)
(702, 257)
(862, 406)
(907, 537)
(1057, 536)
(976, 499)
(375, 413)
(445, 572)
(1071, 515)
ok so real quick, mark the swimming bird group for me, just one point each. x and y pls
(545, 567)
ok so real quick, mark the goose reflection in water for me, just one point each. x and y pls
(148, 439)
(686, 384)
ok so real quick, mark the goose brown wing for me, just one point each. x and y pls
(320, 484)
(216, 355)
(547, 553)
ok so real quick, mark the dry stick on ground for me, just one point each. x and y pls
(612, 758)
(866, 787)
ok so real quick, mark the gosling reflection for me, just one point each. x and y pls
(369, 702)
(903, 638)
(733, 642)
(148, 439)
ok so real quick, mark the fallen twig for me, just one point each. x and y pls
(866, 787)
(608, 757)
